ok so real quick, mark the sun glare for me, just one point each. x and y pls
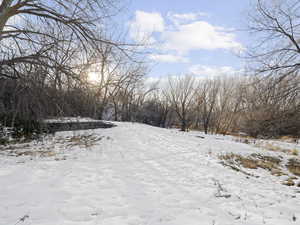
(93, 77)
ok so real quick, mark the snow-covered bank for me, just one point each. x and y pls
(69, 120)
(139, 175)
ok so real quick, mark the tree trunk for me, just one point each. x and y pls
(205, 128)
(183, 125)
(4, 13)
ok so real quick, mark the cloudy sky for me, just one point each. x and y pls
(202, 37)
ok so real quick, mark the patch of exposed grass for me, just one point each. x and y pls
(33, 150)
(289, 182)
(36, 153)
(84, 140)
(253, 161)
(16, 147)
(270, 163)
(28, 150)
(290, 139)
(284, 150)
(237, 169)
(293, 166)
(269, 146)
(295, 152)
(245, 140)
(275, 148)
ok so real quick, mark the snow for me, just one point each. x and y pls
(135, 174)
(69, 120)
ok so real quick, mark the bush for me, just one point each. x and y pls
(22, 128)
(26, 128)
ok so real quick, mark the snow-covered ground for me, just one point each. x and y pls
(69, 120)
(135, 174)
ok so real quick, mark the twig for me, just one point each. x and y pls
(22, 219)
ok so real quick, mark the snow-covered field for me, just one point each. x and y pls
(135, 174)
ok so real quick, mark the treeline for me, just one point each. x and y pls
(259, 107)
(252, 105)
(25, 102)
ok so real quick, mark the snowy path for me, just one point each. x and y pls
(142, 175)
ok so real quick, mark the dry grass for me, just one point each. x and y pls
(274, 148)
(28, 150)
(269, 146)
(289, 139)
(293, 166)
(246, 140)
(253, 161)
(36, 153)
(84, 140)
(15, 147)
(295, 152)
(237, 169)
(289, 182)
(270, 163)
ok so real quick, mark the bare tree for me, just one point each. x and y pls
(42, 25)
(268, 111)
(228, 106)
(163, 107)
(276, 26)
(180, 92)
(207, 94)
(124, 89)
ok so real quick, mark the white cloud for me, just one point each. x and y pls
(213, 71)
(144, 24)
(177, 18)
(168, 58)
(181, 34)
(200, 35)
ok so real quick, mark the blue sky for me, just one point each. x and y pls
(202, 37)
